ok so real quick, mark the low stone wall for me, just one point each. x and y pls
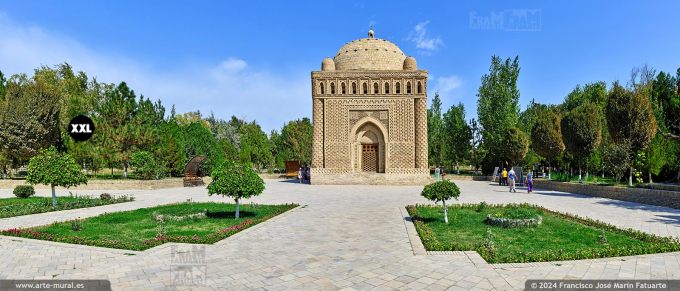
(121, 184)
(640, 195)
(467, 178)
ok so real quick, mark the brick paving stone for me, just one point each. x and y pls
(345, 237)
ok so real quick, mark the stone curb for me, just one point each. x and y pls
(479, 262)
(147, 251)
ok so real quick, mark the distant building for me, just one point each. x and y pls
(369, 116)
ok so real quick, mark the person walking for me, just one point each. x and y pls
(529, 179)
(511, 180)
(504, 177)
(300, 177)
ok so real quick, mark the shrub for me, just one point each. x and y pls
(24, 191)
(76, 225)
(481, 206)
(441, 191)
(105, 196)
(146, 166)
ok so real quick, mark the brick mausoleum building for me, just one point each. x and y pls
(369, 116)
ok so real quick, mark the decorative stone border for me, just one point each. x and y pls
(479, 262)
(153, 249)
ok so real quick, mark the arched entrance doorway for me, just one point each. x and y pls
(369, 149)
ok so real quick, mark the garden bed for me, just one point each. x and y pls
(559, 236)
(11, 207)
(141, 229)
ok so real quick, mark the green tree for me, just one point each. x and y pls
(255, 145)
(441, 191)
(237, 181)
(145, 165)
(546, 137)
(199, 141)
(616, 159)
(582, 132)
(498, 103)
(3, 86)
(115, 121)
(660, 153)
(30, 115)
(456, 135)
(515, 146)
(52, 168)
(630, 120)
(295, 141)
(434, 131)
(477, 152)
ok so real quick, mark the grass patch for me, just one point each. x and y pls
(11, 207)
(559, 237)
(141, 229)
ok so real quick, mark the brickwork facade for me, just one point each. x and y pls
(370, 96)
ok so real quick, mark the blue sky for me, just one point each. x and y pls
(253, 59)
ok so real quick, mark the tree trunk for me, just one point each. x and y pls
(54, 198)
(457, 169)
(237, 209)
(630, 176)
(446, 212)
(111, 170)
(125, 173)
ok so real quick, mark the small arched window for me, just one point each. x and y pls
(387, 88)
(408, 87)
(398, 88)
(420, 88)
(376, 89)
(342, 88)
(365, 88)
(354, 88)
(332, 88)
(321, 88)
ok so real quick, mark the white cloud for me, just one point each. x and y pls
(422, 40)
(230, 87)
(448, 84)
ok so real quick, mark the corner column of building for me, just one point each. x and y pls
(420, 121)
(317, 119)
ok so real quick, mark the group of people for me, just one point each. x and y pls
(303, 175)
(508, 178)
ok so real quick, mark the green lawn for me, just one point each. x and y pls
(10, 207)
(559, 237)
(140, 229)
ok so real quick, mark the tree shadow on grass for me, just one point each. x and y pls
(229, 214)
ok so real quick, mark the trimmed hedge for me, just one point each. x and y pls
(24, 191)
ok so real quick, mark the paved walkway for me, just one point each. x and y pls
(351, 237)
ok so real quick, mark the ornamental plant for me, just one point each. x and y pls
(237, 181)
(441, 191)
(24, 191)
(53, 168)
